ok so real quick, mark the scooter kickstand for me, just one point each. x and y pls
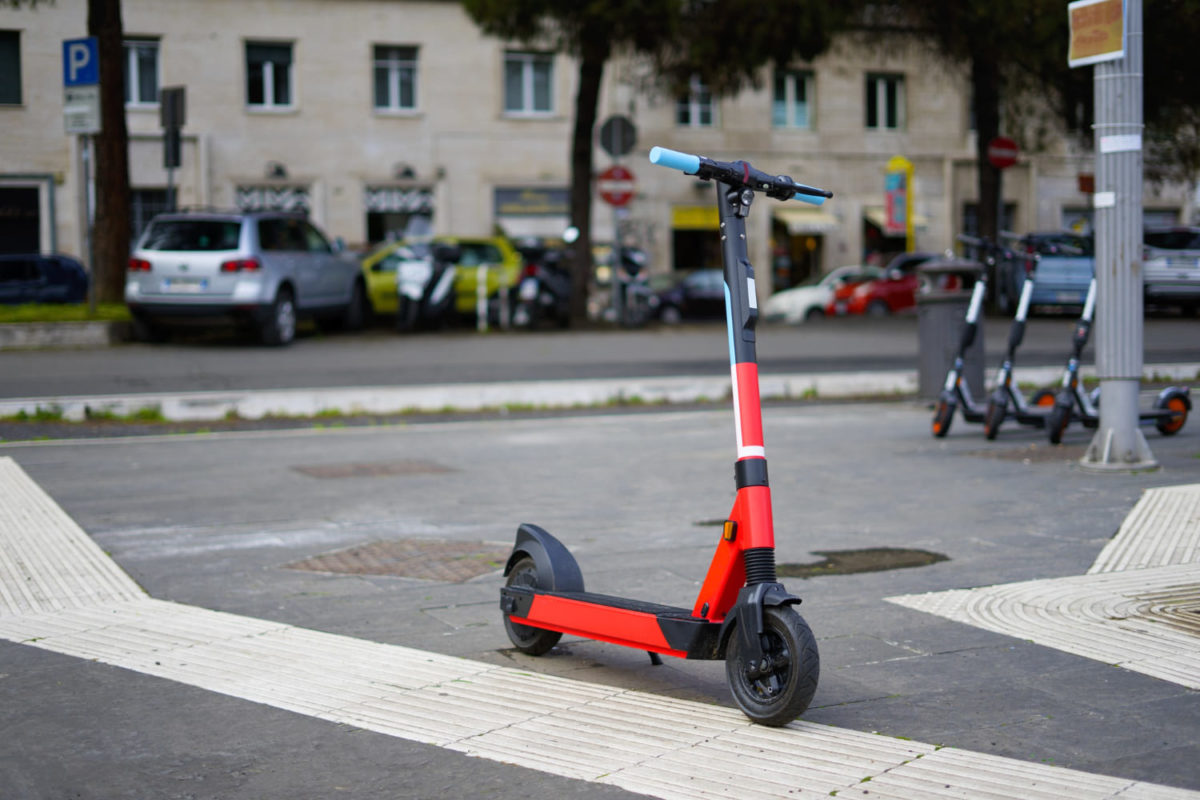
(655, 658)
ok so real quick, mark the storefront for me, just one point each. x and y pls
(798, 243)
(398, 209)
(541, 212)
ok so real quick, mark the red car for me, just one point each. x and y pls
(895, 291)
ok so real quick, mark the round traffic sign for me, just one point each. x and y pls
(616, 185)
(618, 135)
(1002, 152)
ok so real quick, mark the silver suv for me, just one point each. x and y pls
(1171, 268)
(259, 270)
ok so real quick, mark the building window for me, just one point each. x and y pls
(395, 78)
(695, 109)
(792, 106)
(141, 72)
(268, 75)
(10, 68)
(885, 102)
(528, 79)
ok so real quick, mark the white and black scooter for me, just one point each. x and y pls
(425, 285)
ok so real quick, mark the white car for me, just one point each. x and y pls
(808, 301)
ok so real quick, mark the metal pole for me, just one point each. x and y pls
(1119, 444)
(85, 147)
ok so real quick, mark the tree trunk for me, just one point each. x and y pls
(591, 72)
(110, 236)
(985, 85)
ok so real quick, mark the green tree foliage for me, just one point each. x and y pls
(725, 42)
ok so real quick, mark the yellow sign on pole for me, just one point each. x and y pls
(1097, 31)
(897, 192)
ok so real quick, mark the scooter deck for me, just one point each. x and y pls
(643, 625)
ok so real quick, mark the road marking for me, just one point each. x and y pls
(1136, 607)
(61, 593)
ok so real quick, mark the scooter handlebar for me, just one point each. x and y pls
(781, 187)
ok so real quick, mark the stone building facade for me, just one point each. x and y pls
(370, 114)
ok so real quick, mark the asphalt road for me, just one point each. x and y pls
(379, 357)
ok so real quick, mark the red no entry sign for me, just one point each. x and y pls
(1002, 152)
(616, 185)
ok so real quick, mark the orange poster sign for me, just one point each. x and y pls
(1097, 31)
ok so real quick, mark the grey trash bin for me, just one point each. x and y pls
(943, 294)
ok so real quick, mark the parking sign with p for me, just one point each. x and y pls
(81, 62)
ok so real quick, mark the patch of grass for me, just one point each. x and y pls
(63, 312)
(52, 413)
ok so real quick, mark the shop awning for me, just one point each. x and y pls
(695, 218)
(877, 216)
(806, 219)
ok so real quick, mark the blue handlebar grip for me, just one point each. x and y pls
(673, 159)
(808, 198)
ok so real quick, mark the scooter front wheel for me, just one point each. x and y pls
(780, 688)
(527, 639)
(943, 415)
(994, 417)
(1057, 422)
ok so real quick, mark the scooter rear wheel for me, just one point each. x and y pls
(778, 694)
(1169, 426)
(943, 415)
(529, 640)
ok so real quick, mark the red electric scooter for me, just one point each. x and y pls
(742, 614)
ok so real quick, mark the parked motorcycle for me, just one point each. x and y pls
(425, 285)
(543, 292)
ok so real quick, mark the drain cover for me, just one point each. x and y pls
(372, 469)
(1034, 453)
(871, 559)
(426, 559)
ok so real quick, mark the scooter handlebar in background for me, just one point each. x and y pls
(739, 173)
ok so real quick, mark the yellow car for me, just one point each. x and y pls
(501, 259)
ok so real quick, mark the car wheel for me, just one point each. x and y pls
(670, 315)
(355, 315)
(279, 327)
(146, 331)
(814, 313)
(878, 308)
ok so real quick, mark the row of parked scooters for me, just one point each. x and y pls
(1048, 409)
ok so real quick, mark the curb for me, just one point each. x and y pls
(515, 395)
(35, 335)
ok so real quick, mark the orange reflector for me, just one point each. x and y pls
(730, 532)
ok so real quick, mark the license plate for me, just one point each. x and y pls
(185, 284)
(1068, 297)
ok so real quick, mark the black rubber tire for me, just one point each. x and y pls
(784, 693)
(814, 313)
(531, 641)
(878, 308)
(993, 418)
(354, 318)
(1057, 422)
(279, 327)
(943, 415)
(146, 331)
(1170, 426)
(406, 315)
(670, 315)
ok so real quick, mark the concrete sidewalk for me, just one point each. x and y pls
(161, 641)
